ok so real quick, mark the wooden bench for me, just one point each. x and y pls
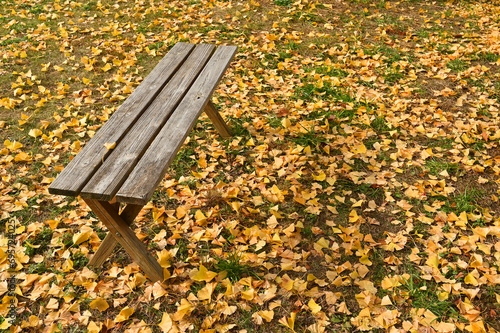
(148, 129)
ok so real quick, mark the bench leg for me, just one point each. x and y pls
(127, 238)
(109, 243)
(217, 120)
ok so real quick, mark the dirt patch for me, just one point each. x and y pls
(379, 224)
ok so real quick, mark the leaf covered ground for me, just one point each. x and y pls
(359, 192)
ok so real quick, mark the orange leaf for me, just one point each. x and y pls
(23, 157)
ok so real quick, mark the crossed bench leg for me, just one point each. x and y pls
(119, 224)
(120, 232)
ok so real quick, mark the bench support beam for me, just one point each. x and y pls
(119, 228)
(109, 243)
(217, 120)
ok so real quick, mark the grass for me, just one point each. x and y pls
(310, 138)
(457, 65)
(423, 294)
(436, 166)
(233, 267)
(379, 124)
(284, 3)
(468, 200)
(40, 243)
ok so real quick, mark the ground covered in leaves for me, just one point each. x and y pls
(360, 191)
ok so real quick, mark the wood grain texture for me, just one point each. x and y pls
(127, 238)
(219, 123)
(76, 174)
(110, 176)
(141, 183)
(109, 243)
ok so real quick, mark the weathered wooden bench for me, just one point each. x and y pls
(148, 129)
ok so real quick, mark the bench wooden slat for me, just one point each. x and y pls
(140, 185)
(110, 176)
(76, 174)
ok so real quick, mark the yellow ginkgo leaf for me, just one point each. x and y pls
(358, 203)
(124, 314)
(44, 123)
(164, 258)
(286, 123)
(67, 265)
(322, 243)
(289, 322)
(206, 292)
(201, 219)
(443, 296)
(181, 211)
(5, 325)
(99, 304)
(81, 237)
(203, 274)
(12, 145)
(107, 67)
(320, 177)
(433, 260)
(248, 294)
(267, 315)
(313, 306)
(200, 175)
(96, 51)
(365, 260)
(22, 157)
(361, 149)
(386, 301)
(470, 279)
(353, 216)
(110, 145)
(236, 206)
(93, 328)
(27, 243)
(167, 325)
(141, 38)
(35, 132)
(183, 309)
(478, 327)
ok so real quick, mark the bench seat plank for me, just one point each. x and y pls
(115, 169)
(141, 183)
(77, 173)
